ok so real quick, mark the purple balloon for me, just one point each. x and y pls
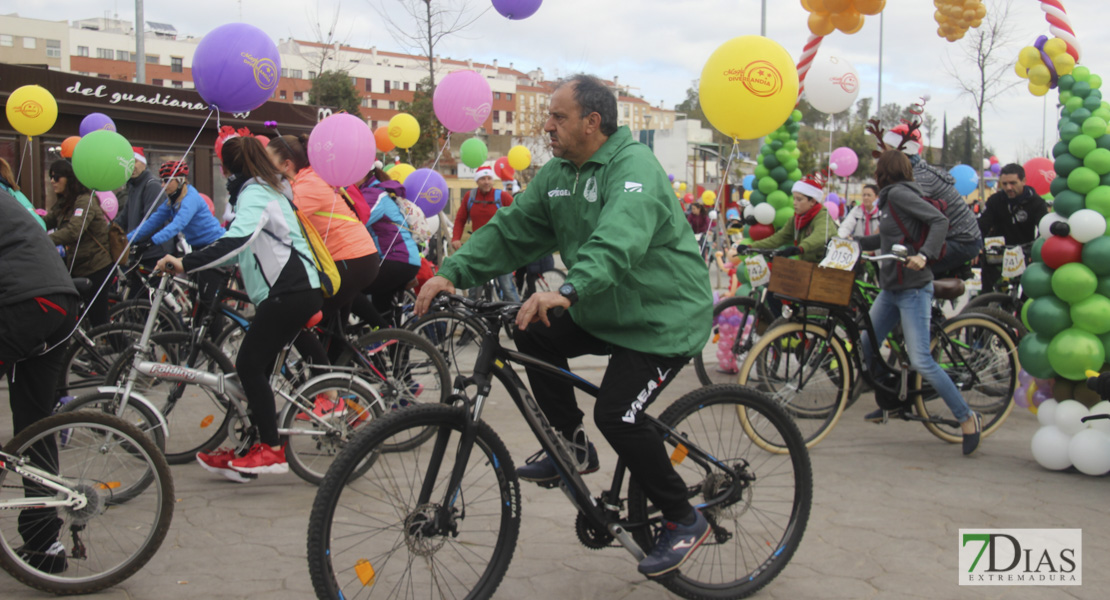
(236, 67)
(517, 9)
(428, 190)
(94, 122)
(671, 177)
(462, 101)
(996, 168)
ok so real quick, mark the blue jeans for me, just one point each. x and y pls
(913, 308)
(956, 254)
(505, 287)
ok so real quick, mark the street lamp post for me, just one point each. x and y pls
(140, 44)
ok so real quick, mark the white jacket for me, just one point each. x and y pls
(853, 223)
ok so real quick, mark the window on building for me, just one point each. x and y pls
(105, 53)
(312, 74)
(177, 65)
(5, 40)
(177, 84)
(396, 85)
(53, 48)
(284, 72)
(298, 96)
(82, 51)
(373, 104)
(103, 75)
(123, 55)
(508, 96)
(392, 105)
(282, 94)
(387, 82)
(626, 112)
(365, 103)
(158, 82)
(151, 59)
(296, 73)
(497, 95)
(496, 116)
(406, 88)
(367, 86)
(508, 116)
(29, 43)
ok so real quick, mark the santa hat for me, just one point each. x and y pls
(897, 138)
(139, 156)
(484, 171)
(809, 187)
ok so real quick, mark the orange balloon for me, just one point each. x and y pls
(835, 6)
(817, 6)
(819, 24)
(858, 26)
(870, 7)
(381, 137)
(69, 144)
(846, 20)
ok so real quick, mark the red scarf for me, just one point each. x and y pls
(867, 218)
(803, 220)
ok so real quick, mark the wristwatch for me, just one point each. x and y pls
(567, 291)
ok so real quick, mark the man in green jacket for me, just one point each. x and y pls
(809, 232)
(636, 289)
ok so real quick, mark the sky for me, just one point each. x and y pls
(660, 46)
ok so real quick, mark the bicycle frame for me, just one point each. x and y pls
(20, 467)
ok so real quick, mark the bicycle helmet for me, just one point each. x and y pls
(173, 168)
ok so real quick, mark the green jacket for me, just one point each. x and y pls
(629, 252)
(813, 241)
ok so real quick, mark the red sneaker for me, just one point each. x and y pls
(217, 461)
(261, 459)
(324, 408)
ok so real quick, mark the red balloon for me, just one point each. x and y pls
(1060, 250)
(760, 231)
(688, 198)
(1039, 173)
(208, 201)
(502, 169)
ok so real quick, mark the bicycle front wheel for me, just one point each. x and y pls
(807, 372)
(373, 533)
(981, 358)
(456, 336)
(757, 513)
(107, 539)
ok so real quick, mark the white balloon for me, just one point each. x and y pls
(1046, 412)
(1086, 225)
(433, 223)
(713, 215)
(1050, 448)
(1089, 451)
(832, 85)
(1103, 425)
(986, 163)
(676, 185)
(764, 213)
(1069, 415)
(749, 210)
(1047, 221)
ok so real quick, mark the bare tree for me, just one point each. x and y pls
(324, 33)
(435, 20)
(987, 49)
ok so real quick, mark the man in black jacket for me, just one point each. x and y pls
(38, 309)
(1013, 213)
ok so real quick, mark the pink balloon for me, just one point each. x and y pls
(40, 212)
(462, 101)
(341, 149)
(265, 140)
(845, 160)
(833, 208)
(211, 205)
(109, 204)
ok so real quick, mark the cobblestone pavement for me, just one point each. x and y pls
(888, 503)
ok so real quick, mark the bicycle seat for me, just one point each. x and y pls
(948, 289)
(314, 320)
(83, 285)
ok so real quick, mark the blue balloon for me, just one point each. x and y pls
(732, 214)
(966, 179)
(749, 181)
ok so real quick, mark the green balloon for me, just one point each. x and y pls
(783, 216)
(796, 116)
(1067, 202)
(1105, 179)
(1060, 148)
(792, 145)
(1081, 74)
(766, 149)
(796, 175)
(777, 143)
(1094, 81)
(1025, 315)
(1082, 145)
(1037, 245)
(473, 153)
(1103, 286)
(1073, 104)
(1083, 180)
(1092, 314)
(1065, 83)
(1073, 352)
(744, 289)
(795, 154)
(1094, 126)
(779, 199)
(1048, 197)
(1058, 185)
(1033, 353)
(1099, 199)
(1093, 102)
(1069, 130)
(1037, 280)
(1081, 89)
(761, 171)
(103, 160)
(779, 174)
(767, 184)
(1098, 160)
(790, 164)
(770, 161)
(1049, 315)
(783, 154)
(757, 197)
(1073, 282)
(1102, 113)
(1065, 164)
(1079, 115)
(1096, 255)
(1065, 96)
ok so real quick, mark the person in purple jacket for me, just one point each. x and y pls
(399, 255)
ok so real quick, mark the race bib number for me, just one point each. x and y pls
(1013, 262)
(841, 254)
(758, 273)
(994, 242)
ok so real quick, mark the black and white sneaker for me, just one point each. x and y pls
(52, 561)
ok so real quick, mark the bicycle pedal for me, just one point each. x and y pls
(549, 484)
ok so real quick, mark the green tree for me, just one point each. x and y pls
(334, 88)
(809, 140)
(863, 109)
(811, 116)
(426, 148)
(962, 145)
(691, 106)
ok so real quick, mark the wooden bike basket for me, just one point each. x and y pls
(806, 281)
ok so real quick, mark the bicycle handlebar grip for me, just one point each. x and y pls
(1099, 383)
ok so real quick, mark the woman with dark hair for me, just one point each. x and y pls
(281, 280)
(81, 228)
(863, 219)
(400, 258)
(907, 289)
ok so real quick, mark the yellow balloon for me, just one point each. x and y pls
(682, 187)
(1037, 89)
(870, 7)
(1021, 71)
(401, 171)
(1029, 56)
(749, 87)
(32, 110)
(1055, 46)
(1064, 63)
(520, 157)
(1039, 75)
(709, 197)
(404, 131)
(747, 194)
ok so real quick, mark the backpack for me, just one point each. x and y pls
(472, 194)
(356, 202)
(916, 244)
(321, 259)
(415, 221)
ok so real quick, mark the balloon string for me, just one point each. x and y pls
(23, 159)
(127, 246)
(404, 225)
(720, 192)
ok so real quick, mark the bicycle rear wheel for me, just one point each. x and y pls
(550, 280)
(980, 357)
(90, 356)
(730, 324)
(457, 338)
(760, 524)
(107, 540)
(371, 533)
(807, 372)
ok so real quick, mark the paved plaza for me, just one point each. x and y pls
(888, 503)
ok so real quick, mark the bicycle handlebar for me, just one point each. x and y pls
(1099, 382)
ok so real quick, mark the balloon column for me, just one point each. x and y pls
(1044, 63)
(825, 16)
(775, 174)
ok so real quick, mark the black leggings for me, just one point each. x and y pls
(277, 320)
(97, 311)
(393, 276)
(632, 381)
(354, 275)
